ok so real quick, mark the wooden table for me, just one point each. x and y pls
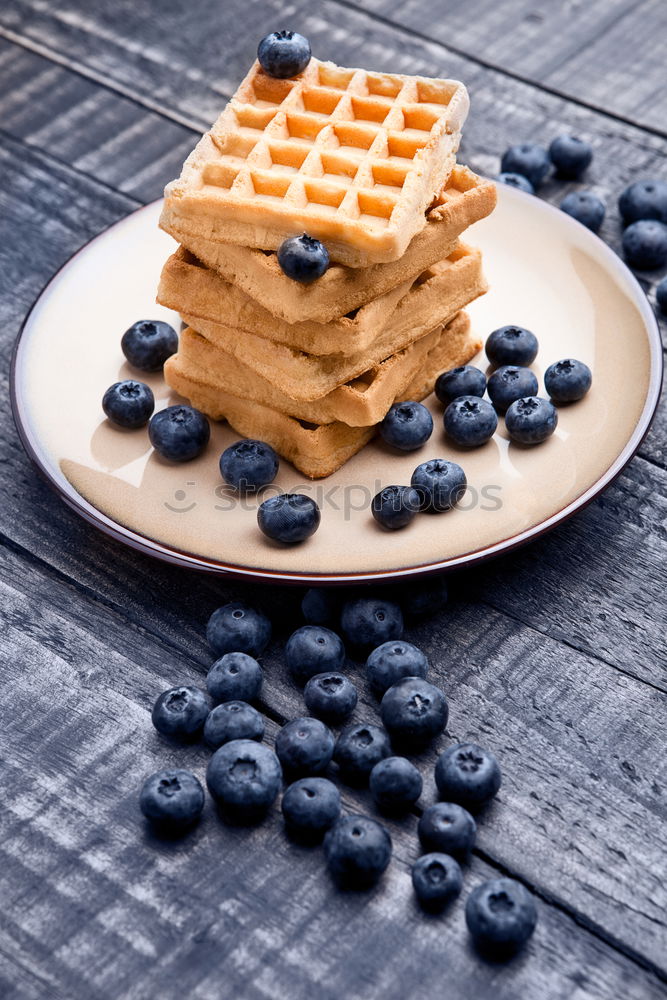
(553, 657)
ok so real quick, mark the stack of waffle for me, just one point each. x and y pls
(365, 163)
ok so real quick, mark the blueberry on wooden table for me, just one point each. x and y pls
(391, 662)
(586, 207)
(661, 296)
(501, 915)
(517, 181)
(511, 345)
(395, 784)
(466, 380)
(310, 807)
(179, 433)
(467, 774)
(311, 650)
(233, 720)
(394, 507)
(180, 713)
(283, 54)
(172, 799)
(321, 606)
(422, 598)
(531, 420)
(570, 155)
(238, 628)
(509, 383)
(331, 697)
(303, 258)
(304, 746)
(406, 426)
(128, 404)
(248, 465)
(234, 677)
(436, 879)
(439, 483)
(357, 851)
(447, 827)
(645, 199)
(358, 749)
(529, 160)
(567, 381)
(414, 712)
(148, 343)
(369, 621)
(289, 518)
(244, 778)
(645, 244)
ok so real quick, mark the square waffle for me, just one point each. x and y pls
(350, 157)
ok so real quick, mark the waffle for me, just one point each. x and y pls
(350, 157)
(465, 199)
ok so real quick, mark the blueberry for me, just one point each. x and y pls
(248, 465)
(531, 420)
(467, 774)
(463, 381)
(439, 483)
(172, 799)
(321, 606)
(395, 507)
(244, 778)
(414, 712)
(310, 807)
(304, 746)
(180, 713)
(395, 784)
(303, 258)
(179, 433)
(148, 343)
(311, 650)
(289, 518)
(358, 749)
(331, 697)
(661, 296)
(128, 404)
(437, 879)
(644, 200)
(567, 380)
(645, 244)
(527, 159)
(367, 622)
(447, 827)
(510, 382)
(585, 207)
(511, 345)
(357, 851)
(283, 54)
(420, 598)
(406, 426)
(470, 421)
(391, 662)
(570, 156)
(233, 720)
(237, 628)
(500, 915)
(234, 677)
(517, 181)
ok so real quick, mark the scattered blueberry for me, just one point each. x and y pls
(289, 518)
(570, 156)
(234, 677)
(414, 712)
(180, 713)
(172, 799)
(331, 697)
(358, 749)
(367, 622)
(644, 200)
(515, 180)
(510, 382)
(511, 345)
(437, 879)
(661, 296)
(395, 507)
(407, 426)
(148, 343)
(244, 778)
(321, 606)
(311, 650)
(391, 662)
(567, 380)
(467, 774)
(310, 807)
(303, 258)
(645, 244)
(395, 784)
(500, 915)
(470, 421)
(283, 54)
(179, 433)
(447, 827)
(304, 746)
(585, 207)
(463, 381)
(420, 598)
(357, 850)
(233, 720)
(531, 420)
(128, 403)
(439, 483)
(529, 160)
(237, 628)
(248, 465)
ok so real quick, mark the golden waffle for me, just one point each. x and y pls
(350, 157)
(465, 199)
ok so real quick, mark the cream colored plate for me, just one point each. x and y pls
(546, 272)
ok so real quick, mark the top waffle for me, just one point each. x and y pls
(350, 157)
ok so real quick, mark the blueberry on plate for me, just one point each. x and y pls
(644, 200)
(645, 244)
(367, 622)
(467, 774)
(128, 403)
(310, 807)
(447, 827)
(466, 380)
(439, 483)
(244, 778)
(511, 345)
(567, 381)
(395, 784)
(357, 851)
(517, 181)
(470, 421)
(391, 662)
(234, 677)
(311, 650)
(179, 433)
(531, 420)
(570, 156)
(180, 713)
(331, 697)
(585, 207)
(233, 720)
(248, 465)
(661, 296)
(148, 343)
(501, 915)
(437, 879)
(321, 606)
(414, 712)
(407, 426)
(283, 54)
(304, 746)
(510, 382)
(289, 518)
(529, 160)
(173, 799)
(238, 628)
(303, 258)
(358, 749)
(395, 507)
